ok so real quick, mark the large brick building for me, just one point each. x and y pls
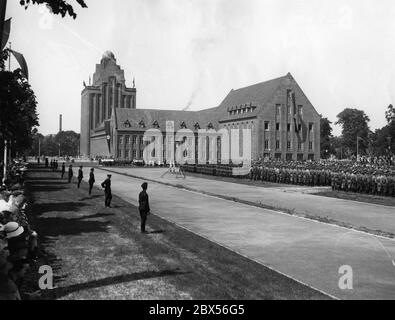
(283, 122)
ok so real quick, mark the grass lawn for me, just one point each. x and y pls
(263, 184)
(385, 201)
(99, 253)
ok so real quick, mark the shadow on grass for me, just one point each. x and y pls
(96, 215)
(63, 291)
(46, 188)
(91, 197)
(39, 179)
(41, 208)
(55, 227)
(156, 231)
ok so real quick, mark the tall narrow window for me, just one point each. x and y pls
(266, 125)
(288, 145)
(299, 145)
(278, 109)
(91, 97)
(266, 144)
(277, 126)
(277, 144)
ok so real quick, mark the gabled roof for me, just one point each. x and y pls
(259, 93)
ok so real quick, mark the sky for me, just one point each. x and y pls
(193, 52)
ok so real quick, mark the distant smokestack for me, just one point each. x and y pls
(60, 123)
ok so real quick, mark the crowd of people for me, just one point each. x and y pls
(370, 175)
(345, 177)
(18, 242)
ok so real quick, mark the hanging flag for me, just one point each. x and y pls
(292, 106)
(107, 129)
(6, 33)
(22, 62)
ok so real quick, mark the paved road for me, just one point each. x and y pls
(308, 251)
(372, 216)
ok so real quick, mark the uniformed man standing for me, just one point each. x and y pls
(63, 169)
(144, 206)
(80, 177)
(106, 184)
(91, 180)
(70, 173)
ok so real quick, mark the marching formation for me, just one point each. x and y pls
(376, 177)
(351, 176)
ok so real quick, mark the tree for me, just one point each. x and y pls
(354, 124)
(326, 134)
(18, 116)
(390, 114)
(49, 145)
(36, 148)
(69, 143)
(61, 7)
(384, 138)
(337, 147)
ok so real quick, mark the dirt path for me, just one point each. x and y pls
(99, 253)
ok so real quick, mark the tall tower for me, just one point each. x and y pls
(99, 101)
(60, 123)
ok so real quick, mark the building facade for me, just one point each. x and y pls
(283, 122)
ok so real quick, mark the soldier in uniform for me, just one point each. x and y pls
(384, 182)
(391, 186)
(374, 185)
(63, 169)
(91, 180)
(143, 206)
(70, 172)
(106, 185)
(80, 177)
(379, 185)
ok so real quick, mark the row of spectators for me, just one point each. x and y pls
(18, 242)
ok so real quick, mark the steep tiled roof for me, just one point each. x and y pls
(258, 93)
(255, 95)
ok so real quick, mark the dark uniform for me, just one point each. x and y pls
(91, 180)
(106, 184)
(143, 206)
(80, 177)
(70, 173)
(63, 170)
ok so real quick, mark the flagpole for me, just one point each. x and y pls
(3, 6)
(9, 58)
(5, 162)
